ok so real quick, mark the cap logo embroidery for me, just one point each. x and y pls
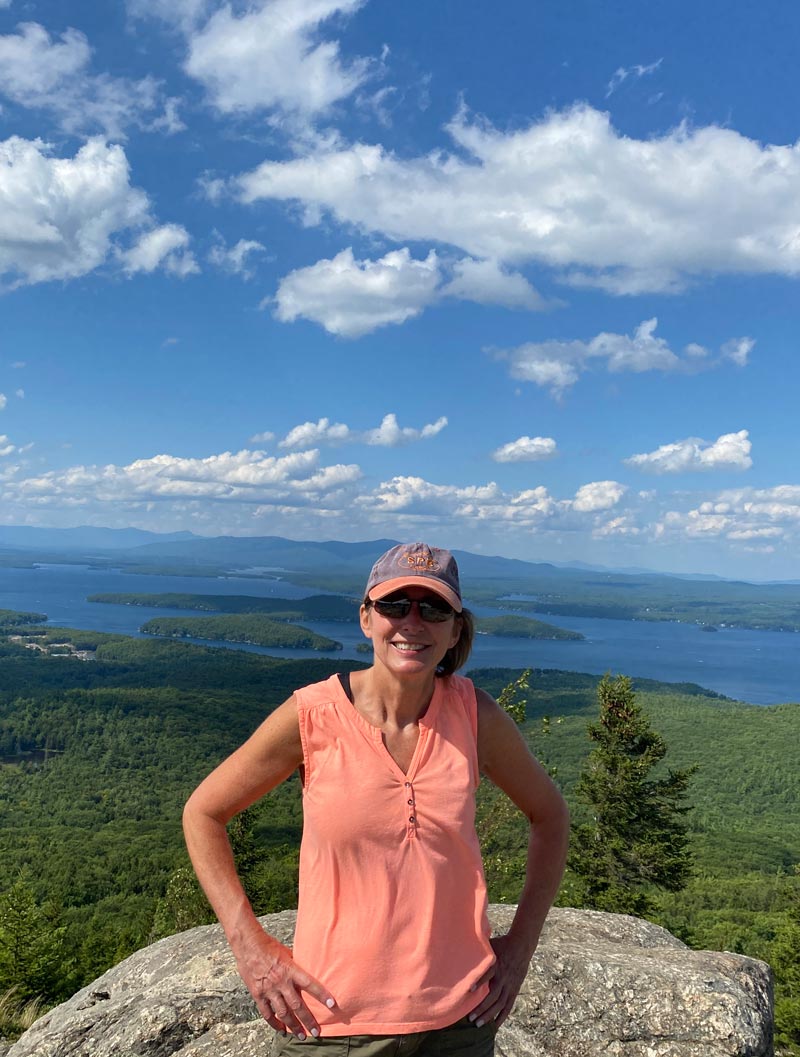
(419, 562)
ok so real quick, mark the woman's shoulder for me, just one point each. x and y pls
(315, 694)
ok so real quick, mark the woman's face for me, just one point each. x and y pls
(409, 644)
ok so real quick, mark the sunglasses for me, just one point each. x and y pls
(432, 610)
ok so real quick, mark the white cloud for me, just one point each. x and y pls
(489, 284)
(388, 434)
(740, 515)
(598, 495)
(38, 72)
(6, 447)
(526, 449)
(557, 365)
(618, 526)
(731, 451)
(235, 258)
(262, 438)
(351, 298)
(3, 400)
(622, 73)
(737, 350)
(58, 216)
(19, 394)
(271, 58)
(310, 434)
(568, 191)
(245, 477)
(163, 247)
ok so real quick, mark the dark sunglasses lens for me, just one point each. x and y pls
(401, 607)
(434, 612)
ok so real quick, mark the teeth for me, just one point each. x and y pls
(408, 646)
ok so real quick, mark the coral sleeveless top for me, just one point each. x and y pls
(392, 913)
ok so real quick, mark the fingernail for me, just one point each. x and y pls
(474, 987)
(478, 1023)
(301, 1036)
(329, 1003)
(472, 1017)
(315, 1032)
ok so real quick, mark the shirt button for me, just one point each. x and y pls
(411, 818)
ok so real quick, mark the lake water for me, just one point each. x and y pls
(762, 667)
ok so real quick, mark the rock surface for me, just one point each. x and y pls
(600, 984)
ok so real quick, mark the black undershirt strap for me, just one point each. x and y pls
(344, 679)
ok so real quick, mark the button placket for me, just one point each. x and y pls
(411, 804)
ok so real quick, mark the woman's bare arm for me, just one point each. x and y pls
(265, 760)
(506, 761)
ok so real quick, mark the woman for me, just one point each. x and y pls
(392, 938)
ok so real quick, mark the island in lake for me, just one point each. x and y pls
(252, 629)
(514, 627)
(316, 607)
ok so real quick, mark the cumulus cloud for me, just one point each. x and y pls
(557, 365)
(234, 259)
(487, 283)
(389, 434)
(245, 477)
(163, 247)
(350, 298)
(526, 449)
(568, 191)
(598, 495)
(58, 216)
(53, 75)
(6, 447)
(741, 516)
(272, 57)
(731, 451)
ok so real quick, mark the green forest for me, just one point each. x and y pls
(98, 755)
(315, 607)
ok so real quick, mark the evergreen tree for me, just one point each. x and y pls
(785, 960)
(636, 840)
(31, 945)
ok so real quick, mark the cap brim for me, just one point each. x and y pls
(436, 587)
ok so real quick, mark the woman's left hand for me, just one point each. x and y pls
(505, 979)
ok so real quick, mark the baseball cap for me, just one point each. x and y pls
(415, 565)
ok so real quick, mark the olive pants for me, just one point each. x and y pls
(461, 1039)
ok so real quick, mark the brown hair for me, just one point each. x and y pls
(458, 655)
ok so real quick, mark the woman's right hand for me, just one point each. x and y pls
(275, 981)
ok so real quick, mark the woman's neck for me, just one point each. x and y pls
(383, 699)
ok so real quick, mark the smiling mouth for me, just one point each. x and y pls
(409, 647)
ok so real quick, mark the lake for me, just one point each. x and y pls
(762, 667)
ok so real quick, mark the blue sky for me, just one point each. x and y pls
(520, 278)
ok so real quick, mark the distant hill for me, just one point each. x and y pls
(338, 567)
(25, 537)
